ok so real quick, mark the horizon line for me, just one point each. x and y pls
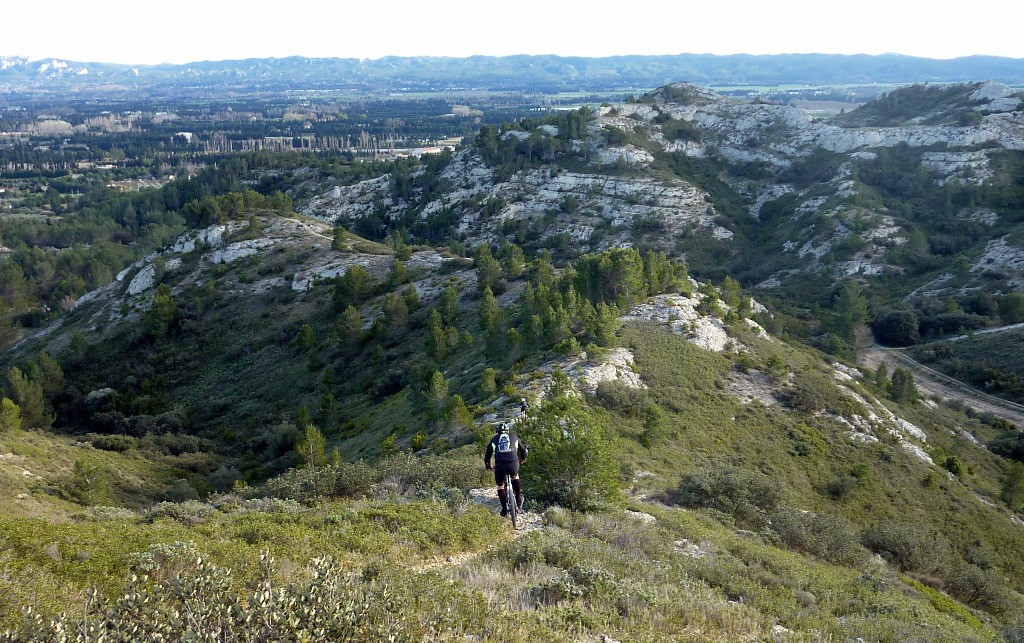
(30, 59)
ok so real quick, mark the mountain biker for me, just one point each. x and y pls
(523, 405)
(509, 452)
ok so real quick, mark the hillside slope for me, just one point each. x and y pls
(272, 386)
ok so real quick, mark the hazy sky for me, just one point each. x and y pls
(143, 32)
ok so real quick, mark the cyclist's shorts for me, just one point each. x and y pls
(502, 469)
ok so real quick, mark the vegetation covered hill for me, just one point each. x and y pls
(273, 425)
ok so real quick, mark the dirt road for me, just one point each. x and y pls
(931, 382)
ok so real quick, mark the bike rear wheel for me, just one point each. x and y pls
(513, 509)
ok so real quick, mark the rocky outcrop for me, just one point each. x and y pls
(680, 314)
(1002, 257)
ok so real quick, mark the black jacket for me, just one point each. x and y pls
(509, 451)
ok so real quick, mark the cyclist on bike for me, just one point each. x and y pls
(509, 452)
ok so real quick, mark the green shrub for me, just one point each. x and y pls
(617, 396)
(117, 443)
(1009, 444)
(954, 465)
(305, 484)
(655, 429)
(828, 537)
(189, 512)
(180, 491)
(911, 547)
(841, 487)
(355, 480)
(806, 441)
(747, 496)
(980, 588)
(812, 393)
(571, 461)
(197, 596)
(577, 582)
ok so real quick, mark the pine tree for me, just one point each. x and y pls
(487, 268)
(311, 447)
(52, 375)
(338, 240)
(513, 262)
(396, 313)
(447, 306)
(488, 383)
(10, 416)
(571, 458)
(350, 326)
(882, 377)
(412, 298)
(399, 275)
(458, 417)
(437, 395)
(851, 309)
(162, 314)
(489, 311)
(902, 387)
(28, 396)
(306, 339)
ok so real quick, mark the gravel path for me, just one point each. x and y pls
(932, 382)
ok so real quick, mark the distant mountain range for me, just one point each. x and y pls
(508, 73)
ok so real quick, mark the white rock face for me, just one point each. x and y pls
(305, 279)
(912, 430)
(752, 386)
(617, 367)
(693, 550)
(965, 167)
(240, 249)
(1003, 257)
(680, 313)
(640, 516)
(584, 375)
(1008, 104)
(917, 452)
(629, 155)
(211, 237)
(142, 281)
(991, 91)
(863, 438)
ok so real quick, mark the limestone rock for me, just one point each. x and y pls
(640, 516)
(142, 281)
(239, 249)
(680, 313)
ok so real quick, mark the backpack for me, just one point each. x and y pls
(504, 443)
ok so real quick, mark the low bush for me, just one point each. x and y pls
(117, 443)
(812, 393)
(617, 396)
(199, 600)
(401, 473)
(747, 496)
(911, 547)
(825, 536)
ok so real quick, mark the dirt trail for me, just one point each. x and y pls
(932, 382)
(488, 497)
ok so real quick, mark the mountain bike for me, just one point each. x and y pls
(513, 506)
